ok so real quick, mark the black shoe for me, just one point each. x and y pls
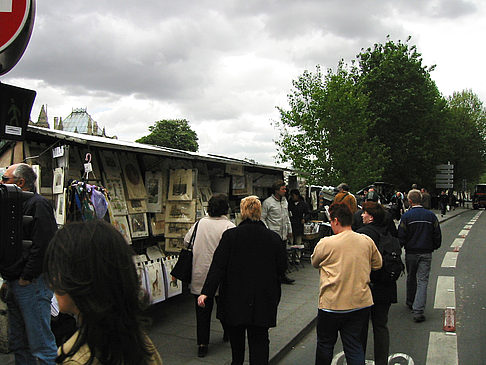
(286, 280)
(202, 350)
(418, 318)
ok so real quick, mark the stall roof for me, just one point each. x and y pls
(117, 144)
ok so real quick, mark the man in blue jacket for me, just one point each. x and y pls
(419, 233)
(29, 297)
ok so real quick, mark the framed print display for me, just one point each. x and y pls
(235, 170)
(58, 181)
(157, 224)
(180, 185)
(121, 224)
(138, 225)
(173, 286)
(174, 244)
(137, 206)
(205, 193)
(61, 208)
(180, 211)
(37, 171)
(133, 178)
(155, 191)
(117, 195)
(242, 185)
(111, 164)
(155, 281)
(177, 229)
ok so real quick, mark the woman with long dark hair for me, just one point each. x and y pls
(90, 268)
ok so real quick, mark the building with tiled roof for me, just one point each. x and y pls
(79, 121)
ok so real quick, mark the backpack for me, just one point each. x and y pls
(391, 252)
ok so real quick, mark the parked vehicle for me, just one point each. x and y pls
(479, 196)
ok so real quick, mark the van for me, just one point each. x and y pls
(479, 196)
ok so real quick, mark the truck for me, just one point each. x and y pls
(479, 196)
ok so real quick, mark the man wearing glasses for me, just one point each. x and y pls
(27, 294)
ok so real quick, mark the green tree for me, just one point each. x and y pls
(172, 133)
(324, 133)
(465, 134)
(406, 109)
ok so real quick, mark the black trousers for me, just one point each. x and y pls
(258, 344)
(203, 320)
(381, 335)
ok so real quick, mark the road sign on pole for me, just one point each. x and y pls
(444, 179)
(16, 23)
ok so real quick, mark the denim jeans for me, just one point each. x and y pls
(350, 327)
(418, 270)
(29, 315)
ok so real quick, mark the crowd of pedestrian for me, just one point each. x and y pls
(89, 269)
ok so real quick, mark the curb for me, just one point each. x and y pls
(295, 340)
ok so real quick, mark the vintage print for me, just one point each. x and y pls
(138, 225)
(184, 212)
(180, 185)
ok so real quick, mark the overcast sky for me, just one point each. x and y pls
(225, 65)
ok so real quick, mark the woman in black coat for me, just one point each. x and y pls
(376, 221)
(247, 266)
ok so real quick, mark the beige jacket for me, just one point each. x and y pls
(345, 261)
(208, 235)
(82, 356)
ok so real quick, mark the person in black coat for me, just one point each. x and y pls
(246, 266)
(377, 221)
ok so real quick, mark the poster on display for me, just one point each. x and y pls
(155, 281)
(205, 193)
(236, 170)
(173, 229)
(88, 155)
(180, 185)
(138, 225)
(157, 224)
(111, 163)
(133, 178)
(242, 185)
(137, 206)
(154, 183)
(180, 211)
(58, 181)
(173, 286)
(141, 275)
(174, 244)
(37, 170)
(154, 252)
(61, 208)
(121, 224)
(114, 187)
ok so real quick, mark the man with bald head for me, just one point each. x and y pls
(28, 296)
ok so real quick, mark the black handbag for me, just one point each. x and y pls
(182, 270)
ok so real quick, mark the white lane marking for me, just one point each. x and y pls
(458, 242)
(468, 226)
(450, 259)
(442, 349)
(445, 293)
(464, 233)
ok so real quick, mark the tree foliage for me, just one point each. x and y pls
(172, 133)
(381, 119)
(324, 134)
(465, 134)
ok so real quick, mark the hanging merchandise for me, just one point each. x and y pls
(85, 202)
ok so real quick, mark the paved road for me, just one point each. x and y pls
(457, 280)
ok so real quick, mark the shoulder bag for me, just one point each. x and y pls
(183, 267)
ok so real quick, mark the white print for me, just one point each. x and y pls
(6, 6)
(391, 358)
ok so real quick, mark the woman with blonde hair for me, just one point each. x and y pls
(247, 266)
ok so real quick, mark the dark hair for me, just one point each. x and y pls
(375, 210)
(277, 185)
(295, 192)
(218, 205)
(26, 172)
(92, 262)
(342, 212)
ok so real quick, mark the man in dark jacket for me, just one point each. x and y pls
(419, 232)
(247, 265)
(28, 296)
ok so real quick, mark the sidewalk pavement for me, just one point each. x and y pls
(173, 328)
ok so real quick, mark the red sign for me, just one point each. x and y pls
(13, 15)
